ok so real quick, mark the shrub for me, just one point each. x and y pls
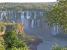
(12, 42)
(57, 47)
(2, 45)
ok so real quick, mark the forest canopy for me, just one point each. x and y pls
(58, 14)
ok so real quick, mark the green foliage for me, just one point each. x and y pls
(56, 47)
(12, 42)
(2, 47)
(58, 14)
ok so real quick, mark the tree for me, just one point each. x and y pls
(58, 14)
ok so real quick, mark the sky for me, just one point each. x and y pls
(27, 1)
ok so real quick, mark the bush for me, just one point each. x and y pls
(12, 42)
(57, 47)
(2, 46)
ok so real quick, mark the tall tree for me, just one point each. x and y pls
(58, 14)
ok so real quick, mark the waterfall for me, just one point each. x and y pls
(55, 29)
(32, 23)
